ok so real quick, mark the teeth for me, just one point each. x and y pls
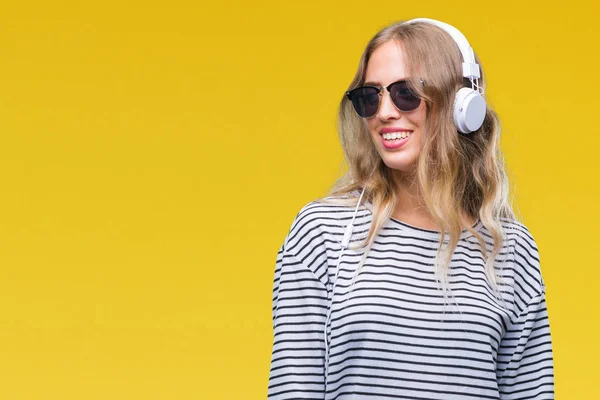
(396, 135)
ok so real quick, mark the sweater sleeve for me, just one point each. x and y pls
(525, 367)
(525, 363)
(299, 312)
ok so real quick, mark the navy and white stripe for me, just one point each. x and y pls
(394, 335)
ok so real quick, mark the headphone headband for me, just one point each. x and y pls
(469, 105)
(470, 67)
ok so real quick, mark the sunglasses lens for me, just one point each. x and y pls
(403, 98)
(365, 101)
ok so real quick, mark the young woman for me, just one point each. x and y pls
(413, 279)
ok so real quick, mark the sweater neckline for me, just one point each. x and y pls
(394, 222)
(423, 232)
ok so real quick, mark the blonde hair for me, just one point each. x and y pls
(459, 175)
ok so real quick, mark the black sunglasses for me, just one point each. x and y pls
(367, 99)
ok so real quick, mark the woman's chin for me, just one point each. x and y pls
(405, 165)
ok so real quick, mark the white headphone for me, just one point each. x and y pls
(469, 104)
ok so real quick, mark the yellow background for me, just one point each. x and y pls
(154, 154)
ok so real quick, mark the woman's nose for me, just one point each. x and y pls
(387, 110)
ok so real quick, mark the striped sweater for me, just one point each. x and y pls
(394, 335)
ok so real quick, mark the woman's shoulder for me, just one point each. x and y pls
(525, 257)
(322, 216)
(516, 228)
(328, 208)
(518, 235)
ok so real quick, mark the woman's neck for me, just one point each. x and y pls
(411, 207)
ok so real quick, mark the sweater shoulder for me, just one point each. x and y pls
(315, 235)
(525, 260)
(524, 244)
(325, 218)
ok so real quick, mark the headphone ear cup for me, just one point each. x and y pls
(469, 110)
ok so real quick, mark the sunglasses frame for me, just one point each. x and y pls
(379, 90)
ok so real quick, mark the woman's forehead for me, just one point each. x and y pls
(386, 64)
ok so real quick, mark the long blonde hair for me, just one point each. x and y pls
(459, 175)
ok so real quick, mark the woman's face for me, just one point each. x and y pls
(387, 65)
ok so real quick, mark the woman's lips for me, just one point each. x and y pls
(394, 143)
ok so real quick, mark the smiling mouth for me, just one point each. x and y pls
(396, 135)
